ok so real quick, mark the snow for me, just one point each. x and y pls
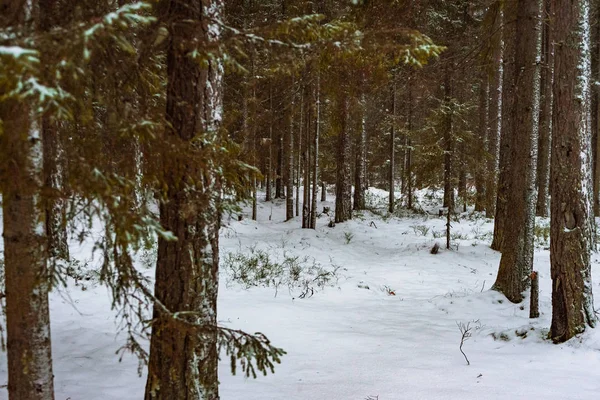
(355, 340)
(16, 52)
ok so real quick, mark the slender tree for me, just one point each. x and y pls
(343, 184)
(315, 160)
(361, 158)
(392, 148)
(289, 160)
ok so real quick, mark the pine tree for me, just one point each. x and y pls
(570, 174)
(183, 362)
(27, 282)
(517, 248)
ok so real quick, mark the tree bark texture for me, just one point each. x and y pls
(508, 89)
(289, 162)
(517, 249)
(448, 146)
(315, 160)
(29, 350)
(545, 134)
(571, 174)
(183, 361)
(392, 173)
(361, 159)
(409, 127)
(484, 104)
(25, 254)
(343, 185)
(495, 116)
(50, 16)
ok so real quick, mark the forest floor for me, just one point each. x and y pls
(379, 318)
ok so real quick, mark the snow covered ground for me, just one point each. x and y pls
(386, 330)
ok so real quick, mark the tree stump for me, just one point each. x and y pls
(534, 307)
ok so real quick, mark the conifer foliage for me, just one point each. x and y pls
(150, 120)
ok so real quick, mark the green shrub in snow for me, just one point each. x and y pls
(303, 276)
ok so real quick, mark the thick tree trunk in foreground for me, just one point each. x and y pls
(343, 184)
(571, 175)
(25, 255)
(505, 159)
(183, 362)
(29, 346)
(517, 250)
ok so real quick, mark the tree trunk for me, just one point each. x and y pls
(505, 162)
(289, 163)
(299, 160)
(279, 190)
(315, 166)
(343, 184)
(306, 204)
(323, 191)
(570, 174)
(25, 254)
(484, 105)
(361, 160)
(392, 173)
(543, 163)
(29, 350)
(517, 249)
(448, 145)
(595, 114)
(254, 151)
(183, 361)
(534, 299)
(408, 169)
(269, 188)
(495, 116)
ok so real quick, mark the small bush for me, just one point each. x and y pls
(541, 233)
(303, 276)
(348, 236)
(422, 230)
